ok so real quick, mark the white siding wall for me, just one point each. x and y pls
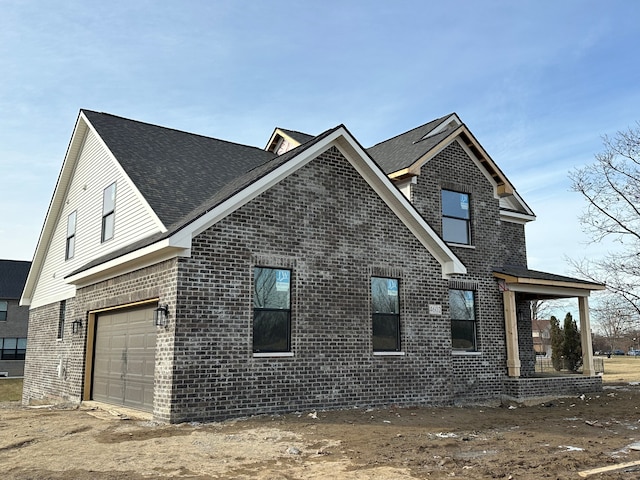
(134, 220)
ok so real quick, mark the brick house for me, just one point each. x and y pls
(199, 279)
(14, 319)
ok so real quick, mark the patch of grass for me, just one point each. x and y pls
(10, 389)
(621, 369)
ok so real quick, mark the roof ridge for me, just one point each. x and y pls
(171, 129)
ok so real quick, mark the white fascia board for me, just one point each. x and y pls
(515, 217)
(401, 206)
(144, 257)
(51, 299)
(161, 227)
(553, 291)
(55, 207)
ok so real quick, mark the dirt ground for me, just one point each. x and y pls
(556, 440)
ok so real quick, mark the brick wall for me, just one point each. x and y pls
(530, 389)
(493, 243)
(45, 352)
(327, 225)
(51, 365)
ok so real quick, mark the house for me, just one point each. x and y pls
(200, 279)
(541, 337)
(14, 319)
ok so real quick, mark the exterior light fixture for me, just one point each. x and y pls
(76, 326)
(161, 315)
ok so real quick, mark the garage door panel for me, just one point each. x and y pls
(124, 361)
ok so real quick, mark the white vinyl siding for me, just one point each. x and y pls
(94, 171)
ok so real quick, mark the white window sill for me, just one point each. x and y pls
(273, 354)
(388, 354)
(466, 354)
(461, 245)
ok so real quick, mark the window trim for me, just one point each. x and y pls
(289, 347)
(61, 320)
(398, 347)
(453, 217)
(70, 245)
(108, 214)
(474, 322)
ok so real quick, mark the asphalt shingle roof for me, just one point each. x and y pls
(175, 171)
(13, 276)
(224, 192)
(405, 149)
(298, 136)
(524, 272)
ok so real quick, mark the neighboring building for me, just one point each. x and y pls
(14, 319)
(542, 337)
(200, 279)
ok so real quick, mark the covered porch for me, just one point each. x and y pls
(518, 285)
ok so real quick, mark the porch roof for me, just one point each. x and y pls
(536, 285)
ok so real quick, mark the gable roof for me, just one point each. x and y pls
(405, 154)
(402, 151)
(175, 171)
(283, 140)
(248, 185)
(13, 275)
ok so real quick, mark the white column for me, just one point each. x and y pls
(585, 337)
(511, 327)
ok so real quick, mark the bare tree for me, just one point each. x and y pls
(611, 187)
(612, 318)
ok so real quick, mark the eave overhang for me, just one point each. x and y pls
(546, 288)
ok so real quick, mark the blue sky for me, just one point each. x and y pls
(537, 82)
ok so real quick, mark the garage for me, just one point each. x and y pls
(124, 358)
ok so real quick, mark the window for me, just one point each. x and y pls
(61, 315)
(455, 217)
(463, 319)
(71, 236)
(3, 310)
(108, 211)
(271, 310)
(13, 348)
(385, 313)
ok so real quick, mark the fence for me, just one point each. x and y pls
(544, 365)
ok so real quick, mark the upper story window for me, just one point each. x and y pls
(271, 310)
(3, 310)
(108, 211)
(71, 236)
(456, 220)
(462, 307)
(385, 313)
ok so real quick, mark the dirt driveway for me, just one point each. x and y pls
(554, 440)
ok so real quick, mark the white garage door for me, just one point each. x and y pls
(124, 358)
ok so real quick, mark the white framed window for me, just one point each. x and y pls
(71, 235)
(108, 212)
